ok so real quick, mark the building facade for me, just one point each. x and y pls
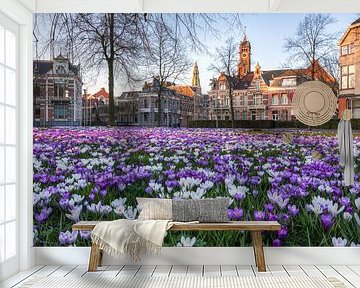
(349, 60)
(57, 92)
(180, 104)
(258, 95)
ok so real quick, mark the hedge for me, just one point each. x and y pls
(268, 124)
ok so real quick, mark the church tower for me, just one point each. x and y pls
(244, 65)
(196, 78)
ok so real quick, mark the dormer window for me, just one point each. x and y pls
(60, 69)
(288, 82)
(222, 86)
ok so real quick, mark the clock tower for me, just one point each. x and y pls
(244, 65)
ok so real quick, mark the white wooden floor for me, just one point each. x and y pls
(350, 275)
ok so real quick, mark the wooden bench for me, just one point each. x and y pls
(256, 227)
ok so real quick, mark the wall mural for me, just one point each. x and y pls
(235, 136)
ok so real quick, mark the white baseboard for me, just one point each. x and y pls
(209, 256)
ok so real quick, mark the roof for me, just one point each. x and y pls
(356, 22)
(183, 89)
(42, 67)
(101, 93)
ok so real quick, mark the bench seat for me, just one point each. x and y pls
(256, 227)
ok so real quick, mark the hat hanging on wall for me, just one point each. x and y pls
(314, 103)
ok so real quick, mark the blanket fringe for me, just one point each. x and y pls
(134, 246)
(336, 283)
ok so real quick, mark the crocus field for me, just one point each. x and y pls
(97, 173)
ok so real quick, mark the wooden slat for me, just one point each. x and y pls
(294, 271)
(78, 271)
(20, 277)
(147, 270)
(112, 270)
(212, 270)
(62, 271)
(162, 271)
(178, 270)
(328, 271)
(245, 271)
(47, 270)
(228, 270)
(235, 225)
(348, 274)
(278, 270)
(311, 271)
(195, 271)
(129, 270)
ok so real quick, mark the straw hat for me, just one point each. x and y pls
(314, 103)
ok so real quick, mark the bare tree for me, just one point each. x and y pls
(312, 43)
(226, 59)
(167, 60)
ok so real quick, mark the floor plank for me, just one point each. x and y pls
(62, 271)
(97, 273)
(261, 274)
(294, 271)
(348, 274)
(195, 271)
(229, 270)
(245, 271)
(112, 271)
(47, 271)
(78, 271)
(212, 270)
(20, 277)
(162, 271)
(278, 270)
(328, 271)
(178, 270)
(129, 270)
(311, 271)
(355, 268)
(146, 270)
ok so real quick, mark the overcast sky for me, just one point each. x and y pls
(266, 32)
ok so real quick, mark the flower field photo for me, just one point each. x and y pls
(97, 173)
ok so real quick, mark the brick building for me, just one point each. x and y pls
(349, 60)
(259, 95)
(57, 92)
(180, 104)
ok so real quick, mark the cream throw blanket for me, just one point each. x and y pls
(130, 237)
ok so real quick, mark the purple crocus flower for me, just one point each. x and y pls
(230, 214)
(272, 217)
(259, 215)
(327, 221)
(148, 190)
(68, 237)
(269, 207)
(238, 213)
(293, 211)
(41, 217)
(345, 201)
(282, 233)
(239, 196)
(85, 234)
(276, 243)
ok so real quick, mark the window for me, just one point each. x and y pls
(348, 77)
(245, 100)
(284, 99)
(257, 84)
(284, 115)
(60, 111)
(253, 115)
(8, 142)
(346, 49)
(222, 86)
(146, 117)
(288, 82)
(275, 115)
(274, 100)
(258, 99)
(145, 103)
(262, 115)
(59, 90)
(37, 111)
(244, 115)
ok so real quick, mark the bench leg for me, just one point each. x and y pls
(258, 251)
(95, 258)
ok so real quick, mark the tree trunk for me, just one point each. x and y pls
(111, 61)
(159, 107)
(231, 106)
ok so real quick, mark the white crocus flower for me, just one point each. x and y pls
(186, 242)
